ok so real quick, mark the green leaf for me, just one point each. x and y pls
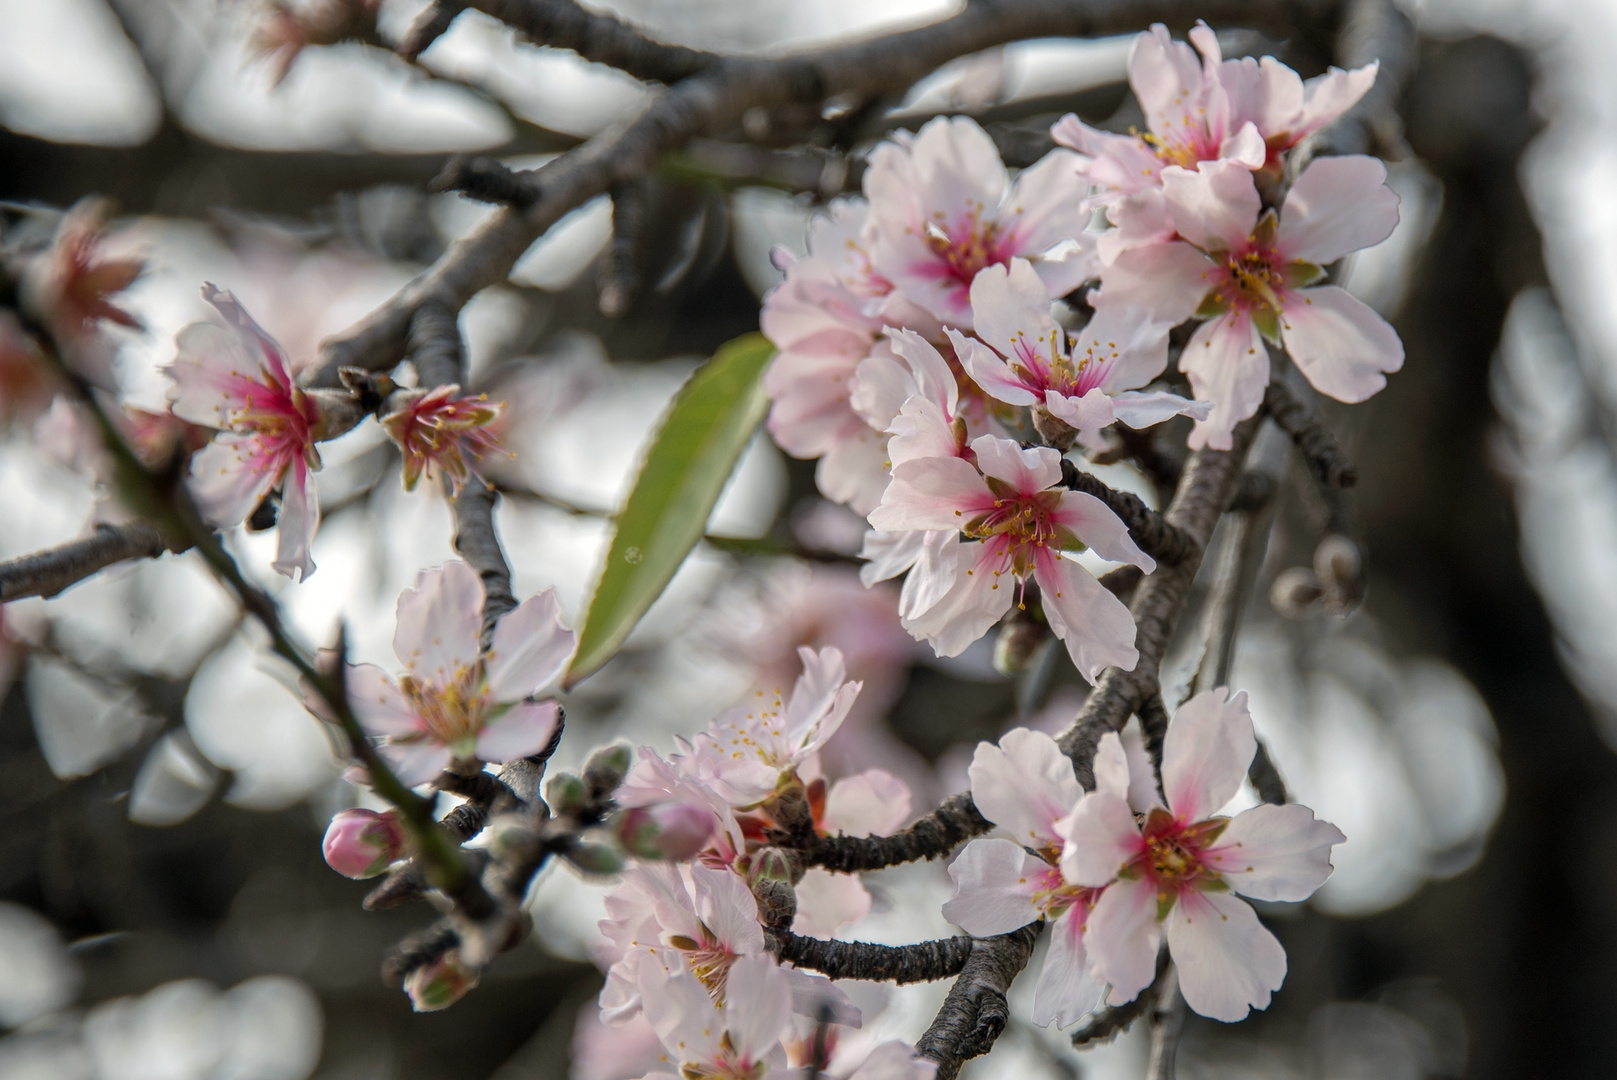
(684, 469)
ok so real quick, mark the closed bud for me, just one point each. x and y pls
(510, 836)
(768, 864)
(439, 983)
(606, 767)
(566, 794)
(361, 843)
(595, 858)
(667, 830)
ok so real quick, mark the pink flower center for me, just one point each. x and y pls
(1250, 278)
(710, 960)
(727, 1065)
(1018, 527)
(1054, 896)
(969, 247)
(1173, 856)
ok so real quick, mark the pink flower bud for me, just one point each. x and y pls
(439, 983)
(667, 830)
(361, 843)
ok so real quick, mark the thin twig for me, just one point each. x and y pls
(603, 39)
(1314, 440)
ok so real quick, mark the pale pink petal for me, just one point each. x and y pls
(757, 1006)
(439, 620)
(1227, 364)
(1143, 794)
(937, 569)
(1214, 206)
(1165, 75)
(880, 386)
(1098, 837)
(1069, 265)
(299, 517)
(828, 903)
(1026, 469)
(1169, 280)
(1246, 146)
(929, 371)
(1265, 93)
(1140, 409)
(932, 493)
(888, 554)
(1338, 205)
(259, 344)
(727, 908)
(1011, 311)
(1139, 220)
(1126, 346)
(990, 371)
(682, 1014)
(994, 884)
(815, 695)
(1025, 784)
(1101, 529)
(1275, 852)
(523, 730)
(213, 374)
(973, 603)
(1119, 162)
(894, 1061)
(853, 470)
(224, 481)
(378, 704)
(870, 803)
(1206, 753)
(529, 650)
(414, 763)
(921, 430)
(1088, 414)
(1228, 962)
(1330, 95)
(1067, 988)
(1339, 343)
(1091, 622)
(1112, 766)
(1122, 939)
(957, 165)
(1047, 204)
(814, 996)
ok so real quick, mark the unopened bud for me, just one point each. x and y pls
(595, 858)
(511, 836)
(439, 983)
(566, 794)
(668, 830)
(361, 843)
(606, 767)
(768, 864)
(1295, 592)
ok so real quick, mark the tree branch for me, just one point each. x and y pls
(922, 962)
(1314, 440)
(975, 1012)
(47, 573)
(933, 836)
(602, 39)
(1156, 536)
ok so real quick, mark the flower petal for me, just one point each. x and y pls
(1094, 625)
(1122, 939)
(972, 603)
(300, 516)
(1339, 343)
(828, 903)
(757, 1006)
(1227, 364)
(227, 479)
(1206, 753)
(936, 572)
(1338, 205)
(1027, 470)
(529, 649)
(1112, 766)
(990, 371)
(1139, 409)
(1098, 838)
(378, 704)
(1067, 989)
(1215, 206)
(1170, 280)
(1228, 961)
(994, 883)
(522, 731)
(1099, 527)
(870, 803)
(727, 907)
(414, 762)
(1275, 852)
(932, 493)
(439, 620)
(1024, 784)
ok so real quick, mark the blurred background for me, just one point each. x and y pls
(165, 913)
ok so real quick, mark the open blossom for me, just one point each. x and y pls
(1172, 870)
(1243, 110)
(745, 754)
(72, 283)
(739, 1039)
(453, 703)
(1253, 274)
(1087, 383)
(441, 432)
(1006, 520)
(944, 208)
(235, 378)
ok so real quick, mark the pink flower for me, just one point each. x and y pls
(236, 380)
(945, 208)
(1211, 109)
(748, 752)
(665, 830)
(1171, 870)
(1015, 519)
(72, 283)
(655, 783)
(1088, 383)
(362, 843)
(1026, 785)
(440, 432)
(739, 1039)
(1249, 273)
(454, 703)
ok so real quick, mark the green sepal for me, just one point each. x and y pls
(1300, 275)
(1267, 320)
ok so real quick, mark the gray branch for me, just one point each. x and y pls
(46, 573)
(933, 836)
(975, 1012)
(1157, 537)
(603, 39)
(924, 961)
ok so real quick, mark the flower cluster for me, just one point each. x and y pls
(918, 338)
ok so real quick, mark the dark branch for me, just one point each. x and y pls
(1156, 536)
(975, 1012)
(1113, 1019)
(428, 27)
(933, 836)
(563, 24)
(486, 180)
(922, 962)
(1314, 440)
(620, 270)
(46, 573)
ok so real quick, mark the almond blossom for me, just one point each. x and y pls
(440, 431)
(1208, 109)
(236, 379)
(748, 752)
(1253, 275)
(1172, 870)
(1087, 383)
(739, 1039)
(71, 284)
(944, 208)
(1008, 514)
(869, 803)
(454, 702)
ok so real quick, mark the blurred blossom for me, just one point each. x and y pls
(68, 72)
(439, 983)
(72, 285)
(173, 783)
(39, 976)
(625, 1051)
(81, 722)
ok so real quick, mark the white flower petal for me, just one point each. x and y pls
(1228, 961)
